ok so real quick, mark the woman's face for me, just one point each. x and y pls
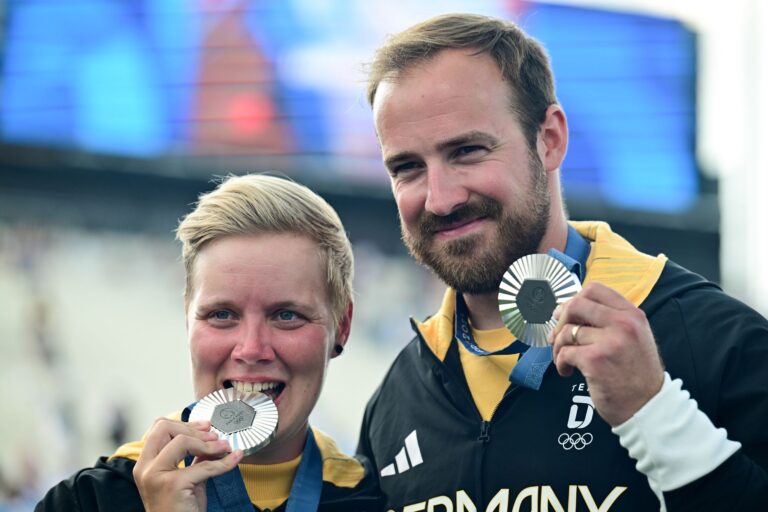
(259, 318)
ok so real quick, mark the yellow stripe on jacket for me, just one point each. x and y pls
(269, 485)
(612, 261)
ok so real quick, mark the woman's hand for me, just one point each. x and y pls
(164, 486)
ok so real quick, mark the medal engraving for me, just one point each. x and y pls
(529, 292)
(233, 416)
(536, 301)
(247, 421)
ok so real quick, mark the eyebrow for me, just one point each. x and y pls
(283, 304)
(463, 139)
(292, 304)
(215, 304)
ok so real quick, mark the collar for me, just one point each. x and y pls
(611, 260)
(577, 250)
(338, 468)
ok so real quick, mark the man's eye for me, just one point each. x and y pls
(468, 150)
(403, 168)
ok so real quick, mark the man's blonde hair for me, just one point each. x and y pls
(258, 204)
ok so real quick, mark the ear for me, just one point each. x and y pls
(552, 141)
(343, 329)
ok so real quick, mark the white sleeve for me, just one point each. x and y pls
(673, 442)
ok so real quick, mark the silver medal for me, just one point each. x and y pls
(247, 421)
(529, 292)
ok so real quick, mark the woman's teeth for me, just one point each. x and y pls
(250, 387)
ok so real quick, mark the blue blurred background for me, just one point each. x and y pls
(116, 114)
(159, 78)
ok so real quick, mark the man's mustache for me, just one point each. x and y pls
(430, 223)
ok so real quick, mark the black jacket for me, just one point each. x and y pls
(549, 446)
(348, 483)
(109, 486)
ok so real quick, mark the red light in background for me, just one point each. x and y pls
(250, 113)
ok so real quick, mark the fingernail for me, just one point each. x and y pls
(551, 337)
(557, 312)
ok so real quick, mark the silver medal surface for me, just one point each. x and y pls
(247, 421)
(531, 289)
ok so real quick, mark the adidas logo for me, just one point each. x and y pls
(409, 456)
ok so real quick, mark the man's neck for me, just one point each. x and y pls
(484, 311)
(484, 308)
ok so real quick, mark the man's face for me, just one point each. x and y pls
(472, 195)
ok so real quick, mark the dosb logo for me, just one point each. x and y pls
(580, 416)
(582, 412)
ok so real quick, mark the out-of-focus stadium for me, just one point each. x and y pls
(116, 114)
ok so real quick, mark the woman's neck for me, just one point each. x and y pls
(283, 448)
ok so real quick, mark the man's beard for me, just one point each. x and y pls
(467, 264)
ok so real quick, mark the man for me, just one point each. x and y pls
(473, 138)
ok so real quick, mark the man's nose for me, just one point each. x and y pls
(445, 192)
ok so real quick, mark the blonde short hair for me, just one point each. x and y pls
(260, 203)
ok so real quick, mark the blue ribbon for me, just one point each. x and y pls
(308, 483)
(227, 492)
(534, 361)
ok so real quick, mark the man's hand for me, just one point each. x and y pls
(164, 486)
(614, 349)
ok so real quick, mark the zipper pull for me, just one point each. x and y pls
(484, 434)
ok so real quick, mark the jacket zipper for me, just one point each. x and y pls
(484, 431)
(485, 426)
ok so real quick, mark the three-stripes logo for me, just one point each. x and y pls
(409, 456)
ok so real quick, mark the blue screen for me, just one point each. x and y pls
(627, 84)
(254, 79)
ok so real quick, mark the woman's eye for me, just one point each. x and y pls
(288, 319)
(221, 314)
(287, 315)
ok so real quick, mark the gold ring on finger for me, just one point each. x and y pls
(575, 334)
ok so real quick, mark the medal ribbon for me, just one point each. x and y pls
(534, 361)
(227, 492)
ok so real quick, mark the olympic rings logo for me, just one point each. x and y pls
(574, 441)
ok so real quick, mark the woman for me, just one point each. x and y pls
(268, 303)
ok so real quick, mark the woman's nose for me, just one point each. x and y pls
(253, 345)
